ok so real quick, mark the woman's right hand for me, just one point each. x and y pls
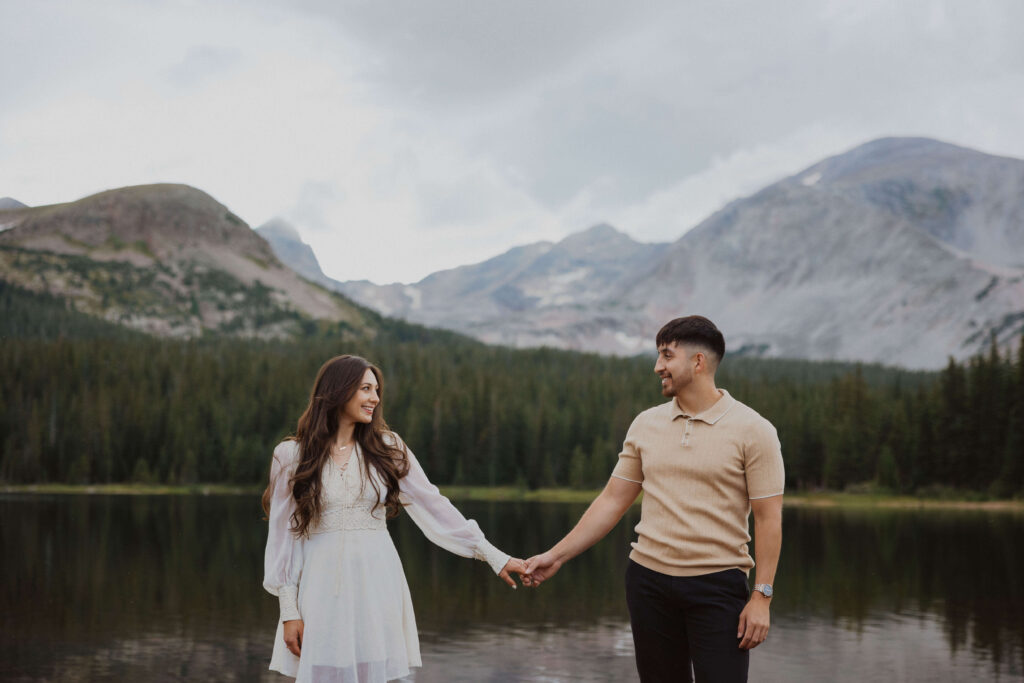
(293, 635)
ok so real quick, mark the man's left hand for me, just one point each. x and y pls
(754, 622)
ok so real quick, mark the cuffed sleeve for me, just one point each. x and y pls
(282, 560)
(288, 597)
(442, 523)
(495, 558)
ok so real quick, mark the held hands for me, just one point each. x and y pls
(293, 635)
(540, 568)
(754, 622)
(514, 565)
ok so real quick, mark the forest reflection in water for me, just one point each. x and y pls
(108, 588)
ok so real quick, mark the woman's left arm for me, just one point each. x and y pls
(282, 560)
(444, 525)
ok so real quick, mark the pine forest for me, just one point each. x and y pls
(84, 401)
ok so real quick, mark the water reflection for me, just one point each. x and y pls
(168, 588)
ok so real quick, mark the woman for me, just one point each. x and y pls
(346, 613)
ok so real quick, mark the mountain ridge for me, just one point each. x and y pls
(166, 259)
(901, 250)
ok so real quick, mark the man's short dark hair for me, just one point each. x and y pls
(696, 330)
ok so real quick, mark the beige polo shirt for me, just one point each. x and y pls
(699, 474)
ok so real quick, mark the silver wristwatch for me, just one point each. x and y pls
(764, 589)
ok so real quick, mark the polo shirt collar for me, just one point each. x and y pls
(712, 414)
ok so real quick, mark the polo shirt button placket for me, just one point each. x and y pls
(688, 432)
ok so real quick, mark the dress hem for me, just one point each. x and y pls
(408, 670)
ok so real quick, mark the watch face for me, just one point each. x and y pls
(765, 589)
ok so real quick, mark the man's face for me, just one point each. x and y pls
(674, 367)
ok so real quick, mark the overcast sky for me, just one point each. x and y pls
(405, 137)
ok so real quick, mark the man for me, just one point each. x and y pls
(703, 461)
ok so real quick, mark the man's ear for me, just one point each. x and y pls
(701, 361)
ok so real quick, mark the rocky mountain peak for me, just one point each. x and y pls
(157, 219)
(965, 199)
(601, 242)
(903, 251)
(889, 158)
(168, 259)
(279, 228)
(11, 203)
(289, 247)
(602, 233)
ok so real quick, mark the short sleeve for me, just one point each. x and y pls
(630, 466)
(766, 475)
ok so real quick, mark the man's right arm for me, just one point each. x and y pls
(603, 514)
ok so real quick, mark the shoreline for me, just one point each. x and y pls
(823, 499)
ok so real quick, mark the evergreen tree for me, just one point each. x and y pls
(83, 401)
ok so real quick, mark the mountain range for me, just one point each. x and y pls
(902, 251)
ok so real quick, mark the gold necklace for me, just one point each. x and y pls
(338, 448)
(338, 455)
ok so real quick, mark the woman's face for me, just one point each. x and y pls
(362, 404)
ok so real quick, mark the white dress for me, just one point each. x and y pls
(345, 580)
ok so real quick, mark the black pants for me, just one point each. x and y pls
(679, 620)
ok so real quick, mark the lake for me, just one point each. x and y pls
(168, 588)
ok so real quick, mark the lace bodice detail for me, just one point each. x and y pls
(349, 498)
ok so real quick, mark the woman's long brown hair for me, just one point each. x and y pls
(336, 383)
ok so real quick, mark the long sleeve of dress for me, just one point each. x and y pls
(442, 523)
(282, 561)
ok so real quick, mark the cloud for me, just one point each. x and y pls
(417, 206)
(667, 214)
(406, 137)
(453, 53)
(200, 64)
